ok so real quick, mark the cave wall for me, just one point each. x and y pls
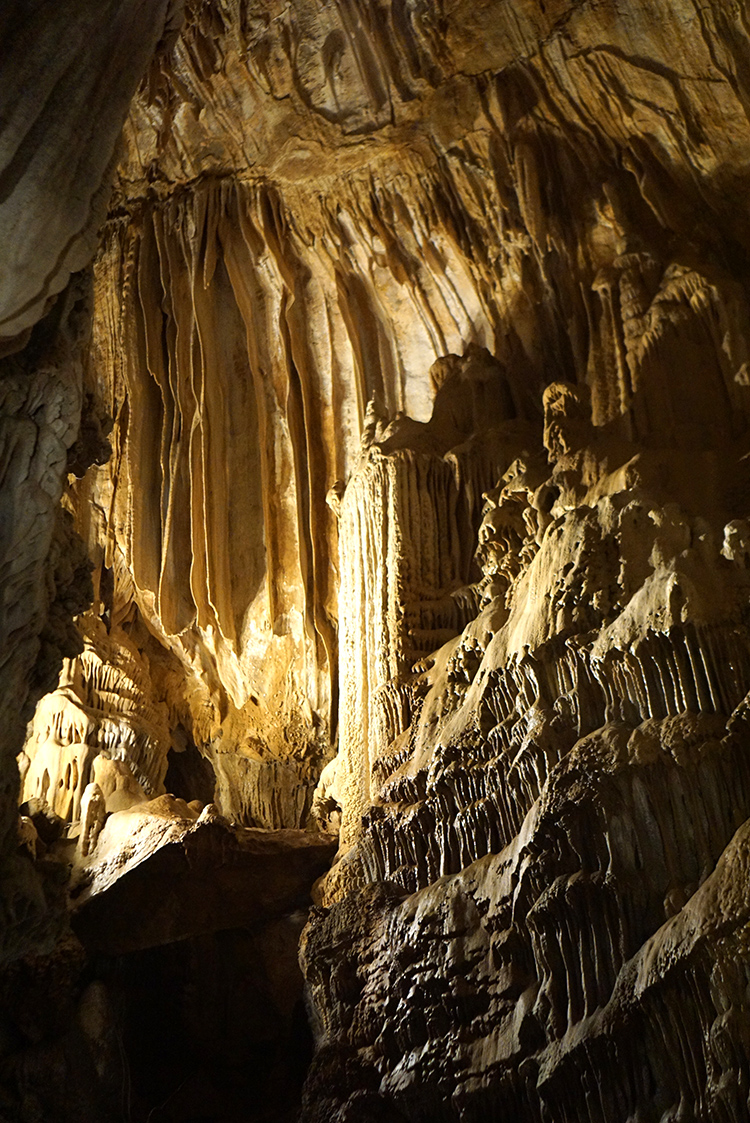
(316, 203)
(423, 333)
(67, 83)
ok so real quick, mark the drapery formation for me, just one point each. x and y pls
(422, 329)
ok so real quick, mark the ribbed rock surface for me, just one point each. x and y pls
(66, 81)
(314, 204)
(44, 571)
(424, 331)
(568, 792)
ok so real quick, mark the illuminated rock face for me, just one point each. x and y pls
(424, 333)
(66, 83)
(312, 208)
(549, 875)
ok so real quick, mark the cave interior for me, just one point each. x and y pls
(375, 561)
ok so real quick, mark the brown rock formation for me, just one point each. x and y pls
(422, 332)
(66, 83)
(161, 872)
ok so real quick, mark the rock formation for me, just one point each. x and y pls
(386, 475)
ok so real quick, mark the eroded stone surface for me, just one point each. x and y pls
(66, 86)
(367, 263)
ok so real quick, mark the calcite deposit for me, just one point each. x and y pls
(375, 513)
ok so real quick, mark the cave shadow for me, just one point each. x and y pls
(212, 1029)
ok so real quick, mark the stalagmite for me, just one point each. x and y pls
(93, 815)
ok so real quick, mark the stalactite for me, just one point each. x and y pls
(423, 330)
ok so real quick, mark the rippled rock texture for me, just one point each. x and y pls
(542, 926)
(420, 337)
(315, 204)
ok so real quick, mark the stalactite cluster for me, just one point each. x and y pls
(383, 489)
(552, 818)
